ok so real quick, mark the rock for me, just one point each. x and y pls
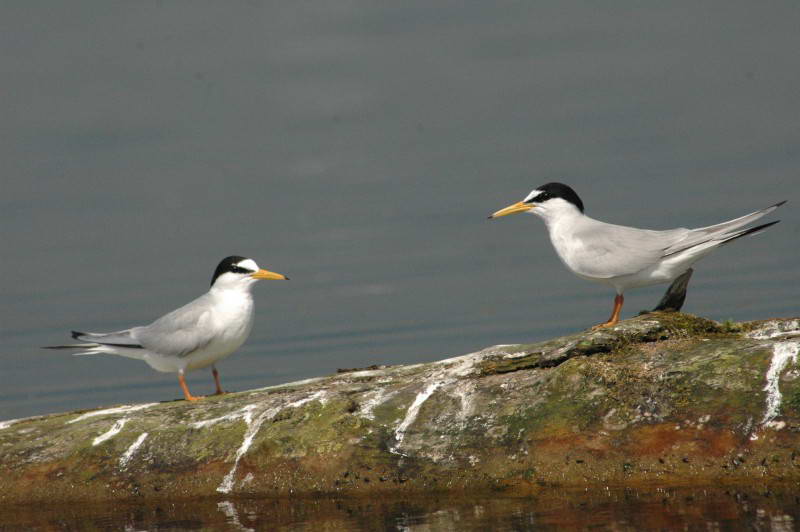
(663, 398)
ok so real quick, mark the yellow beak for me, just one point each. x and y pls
(266, 274)
(511, 209)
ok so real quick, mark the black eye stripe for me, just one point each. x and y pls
(230, 264)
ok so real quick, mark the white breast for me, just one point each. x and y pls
(231, 319)
(571, 250)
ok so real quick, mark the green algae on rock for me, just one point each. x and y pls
(663, 398)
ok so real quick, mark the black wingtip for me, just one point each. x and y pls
(76, 334)
(780, 203)
(751, 231)
(763, 226)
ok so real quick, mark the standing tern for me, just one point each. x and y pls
(194, 336)
(624, 257)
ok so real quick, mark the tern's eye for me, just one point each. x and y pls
(239, 269)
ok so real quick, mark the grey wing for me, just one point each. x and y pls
(181, 332)
(722, 231)
(615, 250)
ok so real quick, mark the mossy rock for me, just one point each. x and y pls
(664, 398)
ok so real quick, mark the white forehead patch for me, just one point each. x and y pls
(248, 264)
(535, 192)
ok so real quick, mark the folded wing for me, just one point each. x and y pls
(181, 332)
(723, 232)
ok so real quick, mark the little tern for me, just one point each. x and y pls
(620, 256)
(196, 335)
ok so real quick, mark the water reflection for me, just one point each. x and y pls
(715, 508)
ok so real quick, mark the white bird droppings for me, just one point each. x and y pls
(782, 354)
(117, 410)
(253, 426)
(448, 372)
(118, 424)
(254, 422)
(372, 400)
(243, 413)
(126, 457)
(784, 351)
(113, 431)
(320, 396)
(411, 415)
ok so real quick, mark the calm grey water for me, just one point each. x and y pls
(357, 147)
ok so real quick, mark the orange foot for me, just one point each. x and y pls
(219, 391)
(186, 393)
(614, 319)
(604, 325)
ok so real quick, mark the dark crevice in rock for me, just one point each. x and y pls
(552, 363)
(651, 328)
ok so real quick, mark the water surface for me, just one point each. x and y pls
(358, 147)
(719, 508)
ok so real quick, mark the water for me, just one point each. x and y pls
(358, 147)
(632, 509)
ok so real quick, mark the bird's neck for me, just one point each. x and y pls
(564, 221)
(232, 293)
(232, 309)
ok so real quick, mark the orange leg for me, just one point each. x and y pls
(214, 372)
(614, 319)
(186, 393)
